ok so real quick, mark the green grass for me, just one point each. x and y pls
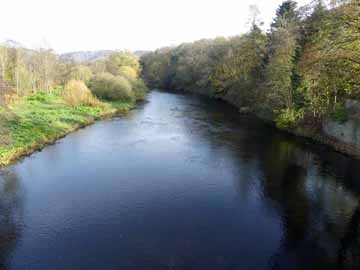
(37, 120)
(121, 106)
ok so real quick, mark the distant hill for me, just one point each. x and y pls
(91, 56)
(76, 57)
(140, 53)
(85, 56)
(11, 43)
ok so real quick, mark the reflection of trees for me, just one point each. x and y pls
(10, 215)
(349, 252)
(284, 188)
(313, 190)
(313, 207)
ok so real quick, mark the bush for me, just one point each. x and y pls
(76, 93)
(116, 61)
(80, 73)
(5, 137)
(110, 87)
(288, 118)
(340, 114)
(128, 73)
(6, 116)
(139, 89)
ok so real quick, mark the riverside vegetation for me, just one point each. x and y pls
(44, 98)
(298, 74)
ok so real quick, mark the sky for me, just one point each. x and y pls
(81, 25)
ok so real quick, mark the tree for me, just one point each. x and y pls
(156, 68)
(282, 52)
(3, 60)
(238, 73)
(120, 59)
(79, 73)
(303, 69)
(330, 65)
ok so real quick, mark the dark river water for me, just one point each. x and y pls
(183, 182)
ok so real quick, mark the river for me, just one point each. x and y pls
(182, 182)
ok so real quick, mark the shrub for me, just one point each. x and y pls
(340, 114)
(76, 93)
(6, 116)
(80, 73)
(128, 73)
(5, 137)
(110, 87)
(116, 61)
(139, 89)
(288, 118)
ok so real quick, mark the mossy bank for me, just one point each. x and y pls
(32, 122)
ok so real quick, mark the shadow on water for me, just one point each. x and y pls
(316, 194)
(349, 252)
(10, 215)
(314, 190)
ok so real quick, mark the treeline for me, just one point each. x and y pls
(299, 72)
(28, 71)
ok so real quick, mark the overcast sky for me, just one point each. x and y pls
(73, 25)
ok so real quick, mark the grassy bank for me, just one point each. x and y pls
(32, 122)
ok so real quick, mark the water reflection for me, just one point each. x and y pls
(315, 206)
(349, 253)
(313, 190)
(182, 183)
(10, 214)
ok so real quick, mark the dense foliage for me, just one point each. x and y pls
(119, 79)
(110, 87)
(28, 71)
(300, 71)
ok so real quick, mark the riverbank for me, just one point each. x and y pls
(316, 136)
(31, 123)
(330, 141)
(337, 142)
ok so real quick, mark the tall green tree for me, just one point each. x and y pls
(282, 52)
(237, 74)
(330, 65)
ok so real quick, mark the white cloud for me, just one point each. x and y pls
(70, 25)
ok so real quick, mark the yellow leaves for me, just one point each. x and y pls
(76, 93)
(122, 59)
(128, 72)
